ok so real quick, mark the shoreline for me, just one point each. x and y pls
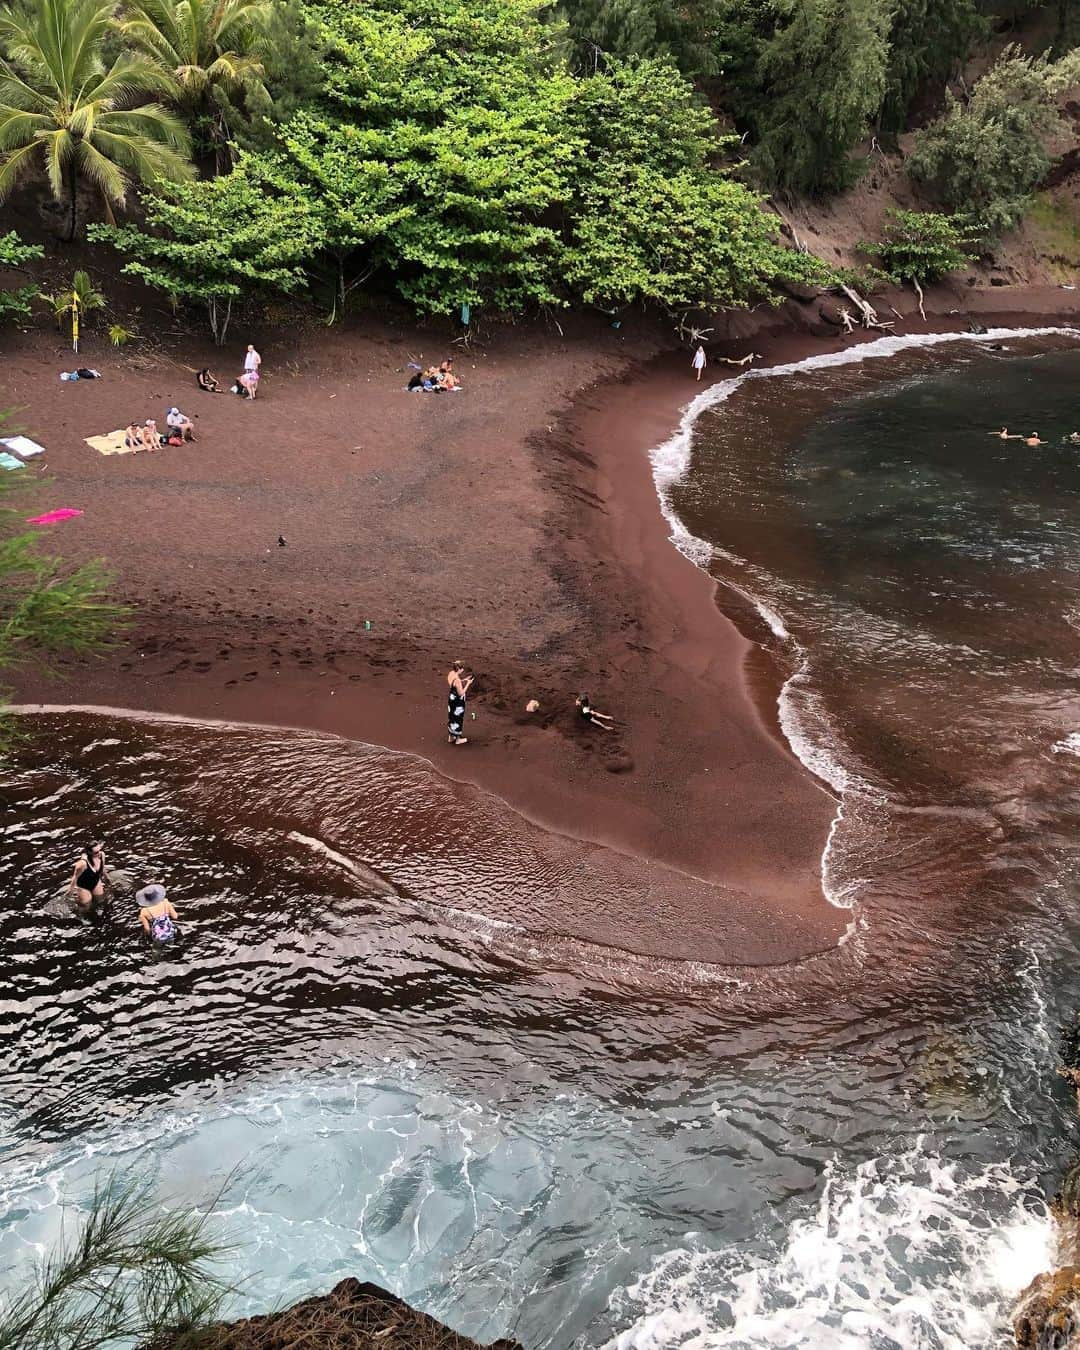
(623, 614)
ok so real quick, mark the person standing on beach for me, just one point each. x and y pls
(455, 704)
(699, 360)
(89, 877)
(252, 361)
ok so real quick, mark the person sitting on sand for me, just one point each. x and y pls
(207, 383)
(1033, 439)
(175, 420)
(133, 437)
(455, 703)
(89, 877)
(593, 715)
(151, 437)
(445, 376)
(416, 382)
(156, 914)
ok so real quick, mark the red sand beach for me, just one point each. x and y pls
(514, 525)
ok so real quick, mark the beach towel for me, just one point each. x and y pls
(22, 445)
(112, 444)
(10, 462)
(52, 517)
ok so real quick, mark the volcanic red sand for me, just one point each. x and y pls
(514, 525)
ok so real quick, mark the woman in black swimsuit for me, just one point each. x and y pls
(455, 704)
(595, 718)
(89, 877)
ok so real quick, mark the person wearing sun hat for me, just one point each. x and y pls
(156, 913)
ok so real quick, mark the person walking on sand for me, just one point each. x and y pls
(593, 715)
(455, 703)
(156, 914)
(252, 361)
(89, 877)
(699, 360)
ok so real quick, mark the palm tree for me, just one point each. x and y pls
(59, 103)
(212, 48)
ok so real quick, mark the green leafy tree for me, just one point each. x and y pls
(61, 105)
(16, 305)
(920, 247)
(652, 219)
(684, 32)
(927, 41)
(134, 1273)
(217, 241)
(821, 81)
(988, 155)
(213, 49)
(465, 106)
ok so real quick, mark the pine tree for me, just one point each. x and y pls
(682, 30)
(927, 40)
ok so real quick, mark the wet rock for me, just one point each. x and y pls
(353, 1316)
(829, 310)
(1047, 1315)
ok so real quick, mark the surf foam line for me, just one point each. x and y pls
(670, 463)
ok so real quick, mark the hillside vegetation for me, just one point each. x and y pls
(510, 155)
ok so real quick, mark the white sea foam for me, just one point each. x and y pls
(905, 1253)
(801, 715)
(1069, 745)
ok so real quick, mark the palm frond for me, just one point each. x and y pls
(13, 165)
(20, 128)
(103, 172)
(58, 146)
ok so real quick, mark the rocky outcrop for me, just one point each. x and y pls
(1047, 1316)
(353, 1316)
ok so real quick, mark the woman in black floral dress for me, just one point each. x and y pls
(455, 703)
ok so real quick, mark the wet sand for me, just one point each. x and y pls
(515, 525)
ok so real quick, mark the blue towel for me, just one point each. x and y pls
(10, 462)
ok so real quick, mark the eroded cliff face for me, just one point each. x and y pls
(353, 1316)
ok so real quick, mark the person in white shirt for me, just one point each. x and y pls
(252, 361)
(176, 421)
(699, 360)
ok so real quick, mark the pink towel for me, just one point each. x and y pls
(51, 517)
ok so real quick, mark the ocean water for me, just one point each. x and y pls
(388, 1036)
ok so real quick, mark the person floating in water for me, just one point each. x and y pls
(156, 913)
(455, 704)
(1033, 439)
(89, 877)
(1073, 438)
(593, 715)
(1005, 435)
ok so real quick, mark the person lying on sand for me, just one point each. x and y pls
(89, 877)
(156, 914)
(175, 420)
(207, 382)
(598, 719)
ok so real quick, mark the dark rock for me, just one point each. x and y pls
(1047, 1314)
(797, 290)
(829, 311)
(999, 281)
(353, 1316)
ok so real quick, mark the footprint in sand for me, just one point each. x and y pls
(251, 675)
(202, 666)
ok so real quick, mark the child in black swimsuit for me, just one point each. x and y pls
(592, 715)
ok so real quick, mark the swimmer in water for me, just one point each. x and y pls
(1033, 439)
(1004, 435)
(89, 877)
(156, 914)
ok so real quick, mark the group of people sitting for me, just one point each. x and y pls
(434, 380)
(246, 385)
(148, 436)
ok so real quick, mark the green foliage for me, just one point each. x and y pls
(120, 336)
(921, 246)
(16, 305)
(680, 30)
(133, 1273)
(987, 156)
(80, 293)
(928, 39)
(822, 80)
(213, 50)
(61, 106)
(216, 241)
(293, 53)
(650, 219)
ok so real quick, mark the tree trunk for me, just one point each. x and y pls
(73, 192)
(219, 319)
